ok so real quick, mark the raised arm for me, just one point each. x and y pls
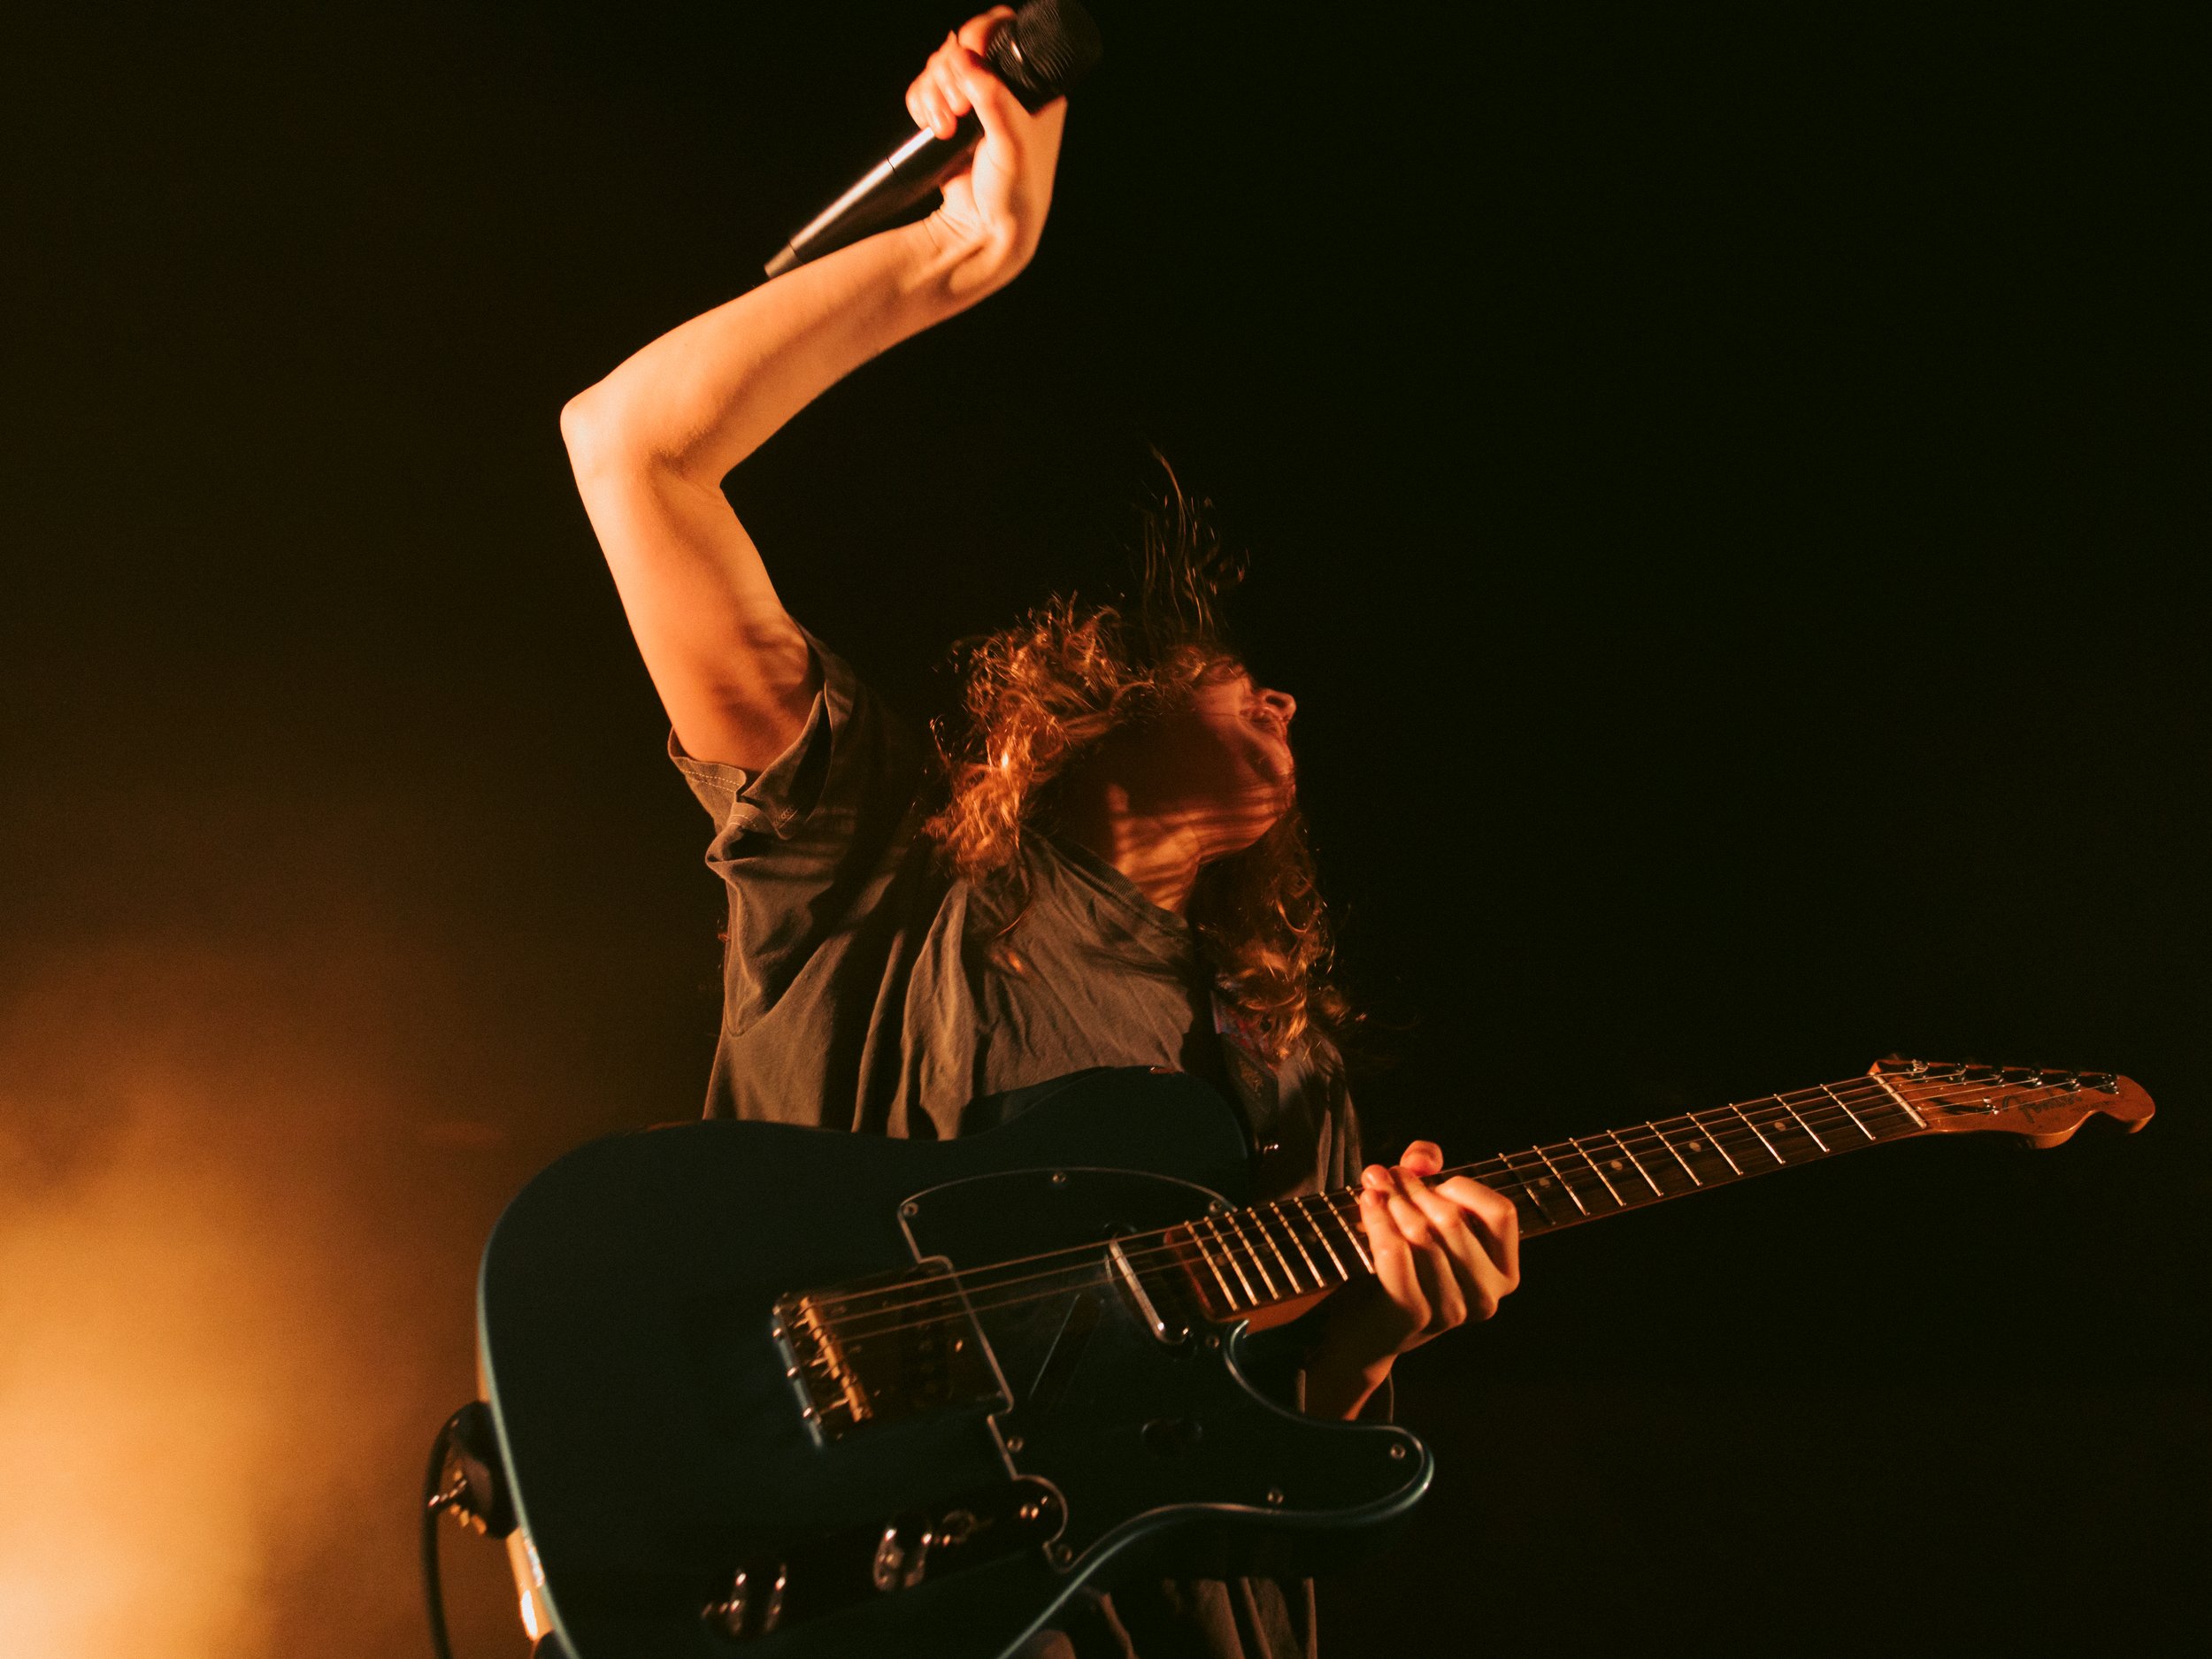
(651, 443)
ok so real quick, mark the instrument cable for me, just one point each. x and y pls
(476, 1493)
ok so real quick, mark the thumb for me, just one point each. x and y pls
(998, 109)
(976, 32)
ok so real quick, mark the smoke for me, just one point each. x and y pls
(238, 1221)
(135, 1387)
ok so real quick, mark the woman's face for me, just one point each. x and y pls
(1224, 760)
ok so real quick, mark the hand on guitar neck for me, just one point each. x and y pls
(1443, 1255)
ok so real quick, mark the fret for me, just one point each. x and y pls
(1321, 1236)
(1903, 1104)
(1501, 1174)
(1547, 1188)
(1664, 1142)
(1613, 1136)
(1782, 1131)
(1489, 1169)
(1553, 1168)
(1524, 1190)
(1801, 1124)
(1713, 1140)
(1713, 1146)
(1598, 1170)
(1250, 1295)
(1536, 1186)
(1662, 1167)
(1227, 1295)
(1247, 1225)
(1259, 1221)
(1300, 1243)
(1594, 1167)
(1779, 1159)
(1359, 1244)
(1549, 1191)
(1258, 1266)
(1848, 1112)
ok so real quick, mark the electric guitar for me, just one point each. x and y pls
(802, 1393)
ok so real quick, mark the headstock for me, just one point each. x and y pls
(2045, 1105)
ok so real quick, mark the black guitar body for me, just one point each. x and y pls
(691, 1481)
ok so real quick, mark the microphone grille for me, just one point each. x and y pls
(1044, 49)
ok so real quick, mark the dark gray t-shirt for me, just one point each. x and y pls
(866, 988)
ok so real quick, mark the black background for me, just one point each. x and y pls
(1717, 485)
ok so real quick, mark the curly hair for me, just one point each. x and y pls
(1037, 696)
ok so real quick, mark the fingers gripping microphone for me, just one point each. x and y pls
(1040, 52)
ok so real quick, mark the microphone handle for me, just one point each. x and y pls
(894, 185)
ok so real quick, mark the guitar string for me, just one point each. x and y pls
(1343, 1206)
(957, 1308)
(1835, 1116)
(1822, 1102)
(957, 1311)
(1240, 1252)
(854, 1327)
(1816, 1096)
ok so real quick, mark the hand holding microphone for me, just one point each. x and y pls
(989, 110)
(1001, 190)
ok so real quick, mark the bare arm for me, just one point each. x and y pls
(651, 443)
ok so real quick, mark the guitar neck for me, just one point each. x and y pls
(1582, 1179)
(1297, 1249)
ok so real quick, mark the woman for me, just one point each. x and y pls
(1106, 871)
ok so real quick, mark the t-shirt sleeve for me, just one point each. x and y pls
(805, 843)
(777, 797)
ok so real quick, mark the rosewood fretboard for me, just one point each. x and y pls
(1248, 1259)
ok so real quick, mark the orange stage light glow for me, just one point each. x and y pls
(235, 1249)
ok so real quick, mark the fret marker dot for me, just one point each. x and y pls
(1543, 1180)
(1613, 1164)
(1696, 1147)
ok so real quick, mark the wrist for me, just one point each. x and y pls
(969, 262)
(1340, 1389)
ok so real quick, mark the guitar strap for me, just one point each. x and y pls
(1284, 1106)
(1298, 1146)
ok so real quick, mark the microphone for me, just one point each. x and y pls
(1040, 52)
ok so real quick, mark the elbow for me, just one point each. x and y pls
(605, 439)
(587, 431)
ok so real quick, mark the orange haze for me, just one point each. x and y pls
(238, 1217)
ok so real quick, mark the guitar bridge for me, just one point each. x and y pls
(882, 1349)
(831, 1398)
